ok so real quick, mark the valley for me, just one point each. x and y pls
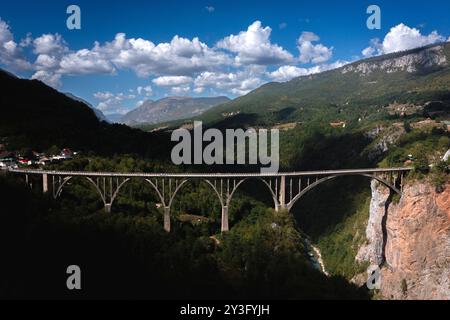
(386, 112)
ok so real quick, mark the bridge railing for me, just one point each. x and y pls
(210, 175)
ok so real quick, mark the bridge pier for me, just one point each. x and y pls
(44, 183)
(282, 195)
(224, 225)
(167, 219)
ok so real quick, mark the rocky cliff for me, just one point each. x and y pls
(410, 239)
(411, 62)
(372, 251)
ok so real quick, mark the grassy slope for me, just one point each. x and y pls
(332, 95)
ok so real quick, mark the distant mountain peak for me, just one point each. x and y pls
(171, 108)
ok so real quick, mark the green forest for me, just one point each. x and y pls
(127, 254)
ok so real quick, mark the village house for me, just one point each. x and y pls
(66, 153)
(7, 160)
(15, 159)
(338, 124)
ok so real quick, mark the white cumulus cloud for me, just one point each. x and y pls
(113, 102)
(180, 90)
(401, 38)
(10, 51)
(85, 62)
(147, 90)
(50, 44)
(312, 53)
(170, 81)
(50, 78)
(254, 47)
(236, 83)
(286, 73)
(179, 57)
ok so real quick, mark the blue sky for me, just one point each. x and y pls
(130, 51)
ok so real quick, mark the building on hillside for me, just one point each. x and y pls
(66, 153)
(338, 124)
(25, 161)
(427, 123)
(7, 160)
(43, 161)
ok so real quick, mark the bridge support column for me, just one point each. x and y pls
(167, 219)
(108, 207)
(282, 196)
(44, 183)
(225, 226)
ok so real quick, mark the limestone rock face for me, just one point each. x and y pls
(373, 250)
(418, 245)
(413, 62)
(416, 242)
(384, 138)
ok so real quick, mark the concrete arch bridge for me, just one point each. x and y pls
(286, 188)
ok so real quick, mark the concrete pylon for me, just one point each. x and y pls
(282, 195)
(44, 183)
(167, 219)
(225, 227)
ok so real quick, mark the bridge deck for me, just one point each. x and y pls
(212, 175)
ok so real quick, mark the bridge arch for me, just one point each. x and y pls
(166, 203)
(60, 187)
(207, 181)
(328, 178)
(243, 180)
(120, 185)
(59, 190)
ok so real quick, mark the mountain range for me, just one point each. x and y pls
(364, 89)
(171, 108)
(355, 91)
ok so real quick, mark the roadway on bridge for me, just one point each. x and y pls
(212, 175)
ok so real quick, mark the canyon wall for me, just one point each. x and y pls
(410, 240)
